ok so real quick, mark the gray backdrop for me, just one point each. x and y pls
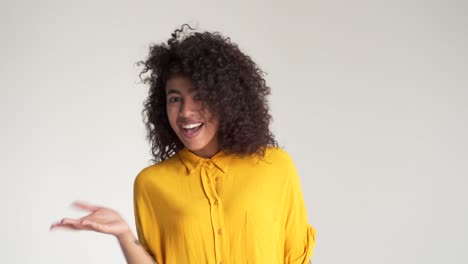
(369, 97)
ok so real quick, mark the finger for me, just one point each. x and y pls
(93, 225)
(86, 206)
(69, 226)
(64, 226)
(70, 221)
(76, 223)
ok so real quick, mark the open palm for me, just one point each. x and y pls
(100, 219)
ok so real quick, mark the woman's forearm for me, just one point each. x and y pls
(134, 253)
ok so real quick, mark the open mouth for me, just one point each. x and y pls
(191, 130)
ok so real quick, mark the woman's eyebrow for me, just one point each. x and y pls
(172, 91)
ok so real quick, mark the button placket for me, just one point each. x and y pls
(210, 188)
(218, 203)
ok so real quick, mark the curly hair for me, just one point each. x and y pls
(228, 82)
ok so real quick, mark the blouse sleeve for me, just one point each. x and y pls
(142, 213)
(299, 234)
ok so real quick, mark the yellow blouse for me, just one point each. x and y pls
(227, 209)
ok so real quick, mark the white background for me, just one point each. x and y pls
(369, 97)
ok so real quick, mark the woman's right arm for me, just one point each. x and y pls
(108, 221)
(133, 251)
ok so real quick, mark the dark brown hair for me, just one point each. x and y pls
(227, 81)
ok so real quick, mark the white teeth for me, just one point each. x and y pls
(189, 126)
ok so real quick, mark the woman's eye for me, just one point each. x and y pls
(174, 99)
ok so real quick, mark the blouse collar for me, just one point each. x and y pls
(192, 161)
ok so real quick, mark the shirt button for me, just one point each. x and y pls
(217, 178)
(220, 232)
(216, 202)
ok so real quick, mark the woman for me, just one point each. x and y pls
(221, 190)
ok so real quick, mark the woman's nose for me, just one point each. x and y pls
(188, 107)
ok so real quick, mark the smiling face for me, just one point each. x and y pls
(196, 127)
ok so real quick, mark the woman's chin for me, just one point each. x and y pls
(194, 147)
